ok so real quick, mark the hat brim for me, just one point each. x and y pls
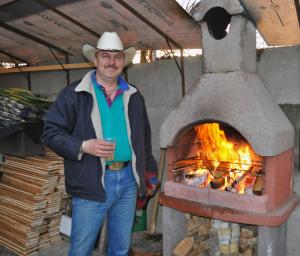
(89, 52)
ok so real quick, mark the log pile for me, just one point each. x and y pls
(205, 237)
(31, 191)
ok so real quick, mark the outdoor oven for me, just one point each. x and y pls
(229, 145)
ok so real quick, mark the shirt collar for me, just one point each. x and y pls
(123, 85)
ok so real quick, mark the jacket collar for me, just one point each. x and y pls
(86, 84)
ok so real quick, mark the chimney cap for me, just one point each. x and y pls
(233, 7)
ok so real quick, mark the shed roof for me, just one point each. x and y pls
(37, 31)
(29, 27)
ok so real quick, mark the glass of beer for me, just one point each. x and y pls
(112, 156)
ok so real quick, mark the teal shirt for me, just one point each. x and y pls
(114, 123)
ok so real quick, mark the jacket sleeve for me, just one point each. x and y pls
(151, 165)
(59, 124)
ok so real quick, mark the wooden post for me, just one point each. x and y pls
(154, 211)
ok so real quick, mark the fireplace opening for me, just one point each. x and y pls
(218, 22)
(217, 156)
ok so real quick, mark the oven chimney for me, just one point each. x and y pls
(228, 92)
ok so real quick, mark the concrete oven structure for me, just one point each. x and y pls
(230, 93)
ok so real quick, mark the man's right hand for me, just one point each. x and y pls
(99, 148)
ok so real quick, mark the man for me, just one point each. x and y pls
(102, 105)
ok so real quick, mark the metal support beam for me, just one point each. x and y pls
(163, 34)
(28, 81)
(62, 65)
(67, 17)
(150, 24)
(67, 70)
(46, 68)
(297, 5)
(182, 73)
(27, 77)
(180, 67)
(31, 37)
(14, 57)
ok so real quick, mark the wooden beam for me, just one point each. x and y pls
(277, 20)
(46, 68)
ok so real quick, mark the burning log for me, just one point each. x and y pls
(217, 183)
(258, 185)
(194, 180)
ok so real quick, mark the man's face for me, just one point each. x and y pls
(109, 64)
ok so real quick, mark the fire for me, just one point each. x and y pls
(225, 164)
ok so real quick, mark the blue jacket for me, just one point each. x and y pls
(74, 117)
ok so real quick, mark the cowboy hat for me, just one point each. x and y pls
(109, 41)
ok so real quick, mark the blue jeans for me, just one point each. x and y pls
(119, 207)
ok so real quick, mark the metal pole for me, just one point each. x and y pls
(67, 70)
(182, 72)
(28, 81)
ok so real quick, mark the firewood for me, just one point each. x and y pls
(234, 247)
(247, 243)
(235, 232)
(200, 238)
(258, 185)
(197, 225)
(247, 232)
(219, 224)
(196, 253)
(217, 183)
(224, 249)
(184, 247)
(203, 230)
(214, 242)
(201, 246)
(224, 235)
(191, 227)
(204, 245)
(187, 216)
(248, 252)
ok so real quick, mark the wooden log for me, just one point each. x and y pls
(258, 185)
(246, 243)
(214, 242)
(248, 252)
(247, 232)
(184, 247)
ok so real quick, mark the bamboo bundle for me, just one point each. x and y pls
(31, 191)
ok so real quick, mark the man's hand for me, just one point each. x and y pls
(98, 148)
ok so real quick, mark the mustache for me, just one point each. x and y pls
(110, 66)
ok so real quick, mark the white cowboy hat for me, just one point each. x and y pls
(109, 41)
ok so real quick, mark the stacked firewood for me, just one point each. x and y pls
(248, 240)
(31, 191)
(197, 240)
(207, 237)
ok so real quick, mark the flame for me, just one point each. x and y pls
(223, 159)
